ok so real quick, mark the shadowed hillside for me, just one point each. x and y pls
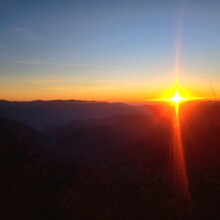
(115, 167)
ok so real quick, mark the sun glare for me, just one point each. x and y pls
(177, 98)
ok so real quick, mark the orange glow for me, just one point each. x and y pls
(176, 95)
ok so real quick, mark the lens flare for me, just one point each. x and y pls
(177, 97)
(178, 172)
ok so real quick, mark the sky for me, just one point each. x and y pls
(108, 50)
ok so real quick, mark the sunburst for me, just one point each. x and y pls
(177, 98)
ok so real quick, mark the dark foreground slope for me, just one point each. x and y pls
(201, 135)
(110, 168)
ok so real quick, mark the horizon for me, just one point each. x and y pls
(138, 103)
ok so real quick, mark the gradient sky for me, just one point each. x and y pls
(110, 50)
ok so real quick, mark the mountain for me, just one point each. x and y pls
(113, 167)
(40, 114)
(115, 140)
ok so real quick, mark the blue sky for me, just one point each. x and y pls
(89, 49)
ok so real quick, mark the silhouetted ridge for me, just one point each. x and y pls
(56, 112)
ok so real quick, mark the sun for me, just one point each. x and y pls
(177, 95)
(177, 98)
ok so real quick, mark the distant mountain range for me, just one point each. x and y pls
(40, 114)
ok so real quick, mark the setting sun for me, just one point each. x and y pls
(177, 97)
